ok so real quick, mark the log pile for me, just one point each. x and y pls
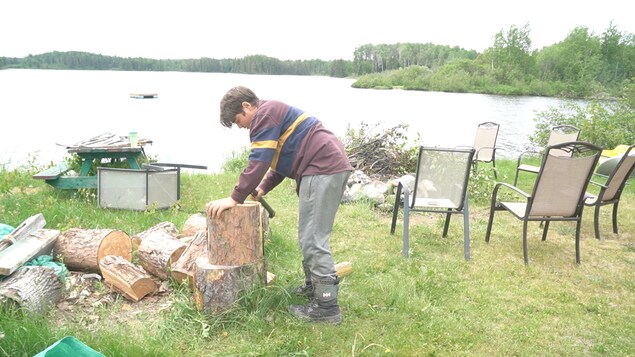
(82, 249)
(127, 278)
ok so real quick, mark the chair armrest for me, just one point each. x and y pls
(522, 154)
(599, 184)
(511, 187)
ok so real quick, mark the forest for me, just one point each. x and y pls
(582, 65)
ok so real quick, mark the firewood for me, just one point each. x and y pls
(193, 224)
(167, 227)
(131, 280)
(236, 238)
(184, 268)
(218, 287)
(343, 269)
(35, 288)
(82, 249)
(158, 251)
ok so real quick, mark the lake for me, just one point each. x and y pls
(45, 110)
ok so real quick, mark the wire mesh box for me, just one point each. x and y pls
(137, 189)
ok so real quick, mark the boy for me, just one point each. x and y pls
(286, 142)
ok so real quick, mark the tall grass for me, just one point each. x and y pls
(432, 303)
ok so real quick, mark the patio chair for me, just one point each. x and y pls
(559, 134)
(611, 190)
(485, 145)
(558, 194)
(440, 186)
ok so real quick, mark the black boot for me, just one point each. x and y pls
(323, 307)
(307, 288)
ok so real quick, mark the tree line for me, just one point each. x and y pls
(582, 65)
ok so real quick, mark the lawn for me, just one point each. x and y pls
(432, 303)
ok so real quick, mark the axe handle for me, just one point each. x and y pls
(264, 204)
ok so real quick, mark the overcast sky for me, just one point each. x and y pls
(287, 29)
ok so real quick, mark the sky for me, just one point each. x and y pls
(287, 29)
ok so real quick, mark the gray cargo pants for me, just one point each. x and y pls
(319, 199)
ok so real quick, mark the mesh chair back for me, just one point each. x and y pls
(485, 141)
(562, 180)
(618, 178)
(563, 134)
(442, 177)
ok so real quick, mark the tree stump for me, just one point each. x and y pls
(235, 257)
(157, 251)
(129, 279)
(82, 249)
(193, 224)
(33, 287)
(217, 287)
(185, 268)
(167, 227)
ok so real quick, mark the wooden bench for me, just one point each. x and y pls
(54, 172)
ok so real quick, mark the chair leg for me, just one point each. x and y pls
(490, 220)
(596, 220)
(615, 216)
(525, 253)
(577, 241)
(446, 225)
(466, 230)
(545, 229)
(395, 210)
(494, 168)
(516, 177)
(406, 224)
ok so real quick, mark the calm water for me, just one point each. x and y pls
(42, 111)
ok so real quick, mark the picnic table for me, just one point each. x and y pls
(106, 146)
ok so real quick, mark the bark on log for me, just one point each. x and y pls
(167, 227)
(34, 287)
(131, 280)
(236, 238)
(218, 287)
(185, 268)
(82, 249)
(193, 224)
(158, 251)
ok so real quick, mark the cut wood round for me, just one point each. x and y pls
(218, 287)
(236, 238)
(131, 280)
(82, 249)
(157, 251)
(193, 224)
(167, 227)
(33, 287)
(184, 268)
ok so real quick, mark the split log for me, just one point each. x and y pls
(218, 287)
(82, 249)
(157, 251)
(236, 238)
(343, 269)
(131, 280)
(25, 228)
(167, 227)
(185, 268)
(23, 250)
(34, 287)
(193, 224)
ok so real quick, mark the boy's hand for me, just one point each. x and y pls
(215, 208)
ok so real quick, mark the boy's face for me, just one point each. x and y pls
(243, 120)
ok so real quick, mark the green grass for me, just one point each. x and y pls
(432, 303)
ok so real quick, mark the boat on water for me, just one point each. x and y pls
(144, 95)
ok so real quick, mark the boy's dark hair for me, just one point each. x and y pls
(232, 104)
